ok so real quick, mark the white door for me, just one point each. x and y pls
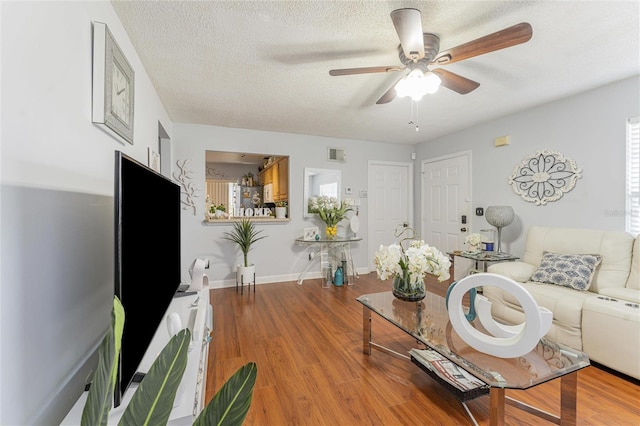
(390, 202)
(445, 200)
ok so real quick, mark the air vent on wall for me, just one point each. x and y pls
(336, 154)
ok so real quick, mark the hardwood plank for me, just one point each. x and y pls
(307, 343)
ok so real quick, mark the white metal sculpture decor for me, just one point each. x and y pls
(507, 341)
(189, 189)
(544, 177)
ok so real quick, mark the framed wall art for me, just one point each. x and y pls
(113, 85)
(154, 159)
(311, 234)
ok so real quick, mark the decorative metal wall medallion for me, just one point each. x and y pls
(189, 189)
(544, 177)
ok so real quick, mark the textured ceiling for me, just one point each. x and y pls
(264, 64)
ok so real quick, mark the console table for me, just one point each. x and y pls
(196, 315)
(427, 321)
(331, 253)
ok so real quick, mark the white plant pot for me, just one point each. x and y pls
(219, 214)
(246, 274)
(281, 212)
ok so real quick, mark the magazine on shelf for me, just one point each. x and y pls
(446, 369)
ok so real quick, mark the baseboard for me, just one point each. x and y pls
(276, 278)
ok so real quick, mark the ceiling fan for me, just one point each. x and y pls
(419, 51)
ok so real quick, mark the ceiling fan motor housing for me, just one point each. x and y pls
(431, 49)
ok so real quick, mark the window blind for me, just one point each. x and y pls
(633, 176)
(220, 192)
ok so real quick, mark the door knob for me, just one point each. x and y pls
(463, 229)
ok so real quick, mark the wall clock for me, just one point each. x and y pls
(113, 85)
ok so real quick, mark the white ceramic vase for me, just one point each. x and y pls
(246, 274)
(281, 212)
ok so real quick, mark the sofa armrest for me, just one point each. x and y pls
(517, 271)
(626, 294)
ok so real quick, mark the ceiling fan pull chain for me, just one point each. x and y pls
(414, 118)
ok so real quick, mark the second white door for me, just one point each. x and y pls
(446, 202)
(390, 202)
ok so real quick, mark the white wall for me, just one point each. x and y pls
(56, 212)
(277, 257)
(57, 202)
(588, 127)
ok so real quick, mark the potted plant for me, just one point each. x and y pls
(153, 400)
(281, 209)
(219, 211)
(244, 234)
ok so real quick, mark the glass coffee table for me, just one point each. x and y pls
(428, 322)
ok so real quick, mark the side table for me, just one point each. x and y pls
(482, 259)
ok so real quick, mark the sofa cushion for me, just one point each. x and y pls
(565, 303)
(517, 271)
(613, 246)
(568, 270)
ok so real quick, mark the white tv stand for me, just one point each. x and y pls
(196, 314)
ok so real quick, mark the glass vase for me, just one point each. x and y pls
(405, 289)
(331, 232)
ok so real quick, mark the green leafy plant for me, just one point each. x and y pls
(330, 210)
(281, 204)
(214, 207)
(153, 400)
(244, 234)
(96, 409)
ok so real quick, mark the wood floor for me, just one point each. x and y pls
(307, 343)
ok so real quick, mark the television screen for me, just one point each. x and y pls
(147, 257)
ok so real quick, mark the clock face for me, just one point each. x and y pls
(120, 91)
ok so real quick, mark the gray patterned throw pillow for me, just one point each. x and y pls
(569, 270)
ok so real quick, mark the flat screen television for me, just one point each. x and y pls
(147, 257)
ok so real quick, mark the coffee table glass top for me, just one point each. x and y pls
(428, 321)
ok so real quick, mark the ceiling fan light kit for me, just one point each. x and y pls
(417, 84)
(418, 51)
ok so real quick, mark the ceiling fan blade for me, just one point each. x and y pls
(408, 23)
(456, 82)
(514, 35)
(366, 70)
(388, 96)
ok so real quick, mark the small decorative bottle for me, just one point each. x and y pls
(337, 279)
(345, 276)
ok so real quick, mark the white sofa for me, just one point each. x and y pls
(603, 321)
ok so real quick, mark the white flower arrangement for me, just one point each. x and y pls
(330, 210)
(473, 240)
(418, 259)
